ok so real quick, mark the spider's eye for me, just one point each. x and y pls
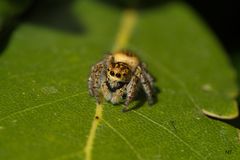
(118, 75)
(112, 73)
(124, 74)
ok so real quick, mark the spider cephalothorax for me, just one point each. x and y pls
(118, 78)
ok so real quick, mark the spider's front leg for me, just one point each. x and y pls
(140, 75)
(105, 91)
(98, 77)
(132, 87)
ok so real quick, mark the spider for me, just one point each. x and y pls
(118, 78)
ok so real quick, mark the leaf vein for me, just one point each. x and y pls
(39, 106)
(172, 133)
(124, 139)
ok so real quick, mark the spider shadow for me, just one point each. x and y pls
(141, 99)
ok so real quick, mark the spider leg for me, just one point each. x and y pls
(94, 80)
(132, 87)
(108, 60)
(147, 75)
(105, 91)
(147, 84)
(98, 76)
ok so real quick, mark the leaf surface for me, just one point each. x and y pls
(46, 112)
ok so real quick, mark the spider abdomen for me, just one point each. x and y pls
(128, 58)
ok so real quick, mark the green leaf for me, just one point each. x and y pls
(46, 112)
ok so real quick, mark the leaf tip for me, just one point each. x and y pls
(232, 115)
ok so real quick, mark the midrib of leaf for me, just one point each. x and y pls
(126, 26)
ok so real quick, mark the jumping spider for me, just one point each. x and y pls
(118, 78)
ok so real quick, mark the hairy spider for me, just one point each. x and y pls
(118, 78)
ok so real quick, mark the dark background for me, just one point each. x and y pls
(223, 18)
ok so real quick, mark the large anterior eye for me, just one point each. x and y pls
(111, 73)
(118, 75)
